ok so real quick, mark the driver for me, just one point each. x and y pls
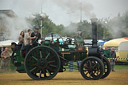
(38, 36)
(80, 46)
(79, 39)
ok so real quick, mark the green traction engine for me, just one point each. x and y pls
(43, 62)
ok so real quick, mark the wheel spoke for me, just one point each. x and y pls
(34, 58)
(52, 65)
(90, 63)
(40, 74)
(48, 72)
(33, 69)
(95, 65)
(40, 54)
(47, 56)
(51, 61)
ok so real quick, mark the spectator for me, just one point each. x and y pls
(112, 61)
(38, 36)
(107, 53)
(5, 59)
(27, 40)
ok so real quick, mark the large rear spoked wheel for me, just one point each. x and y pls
(42, 63)
(92, 68)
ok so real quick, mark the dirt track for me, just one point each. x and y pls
(120, 77)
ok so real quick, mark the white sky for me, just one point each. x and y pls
(60, 15)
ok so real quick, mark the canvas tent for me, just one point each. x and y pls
(6, 43)
(121, 47)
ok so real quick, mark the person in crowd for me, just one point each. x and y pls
(27, 40)
(21, 38)
(112, 60)
(38, 36)
(5, 59)
(107, 52)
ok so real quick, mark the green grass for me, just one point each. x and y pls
(119, 67)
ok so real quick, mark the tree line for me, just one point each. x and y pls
(107, 28)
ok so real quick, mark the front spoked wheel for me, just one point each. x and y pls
(92, 68)
(42, 63)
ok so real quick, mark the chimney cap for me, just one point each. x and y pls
(93, 19)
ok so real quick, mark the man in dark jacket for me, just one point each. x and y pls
(38, 36)
(112, 60)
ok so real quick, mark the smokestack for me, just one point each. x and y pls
(94, 32)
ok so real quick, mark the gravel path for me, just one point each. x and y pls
(120, 77)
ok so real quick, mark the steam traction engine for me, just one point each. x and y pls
(43, 62)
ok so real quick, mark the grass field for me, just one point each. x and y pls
(119, 77)
(119, 67)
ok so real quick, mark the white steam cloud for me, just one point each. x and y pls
(76, 6)
(12, 26)
(24, 8)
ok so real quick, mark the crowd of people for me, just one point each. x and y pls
(25, 42)
(111, 55)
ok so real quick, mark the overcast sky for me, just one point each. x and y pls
(67, 11)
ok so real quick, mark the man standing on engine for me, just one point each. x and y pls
(38, 36)
(27, 40)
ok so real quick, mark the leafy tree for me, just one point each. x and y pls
(107, 28)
